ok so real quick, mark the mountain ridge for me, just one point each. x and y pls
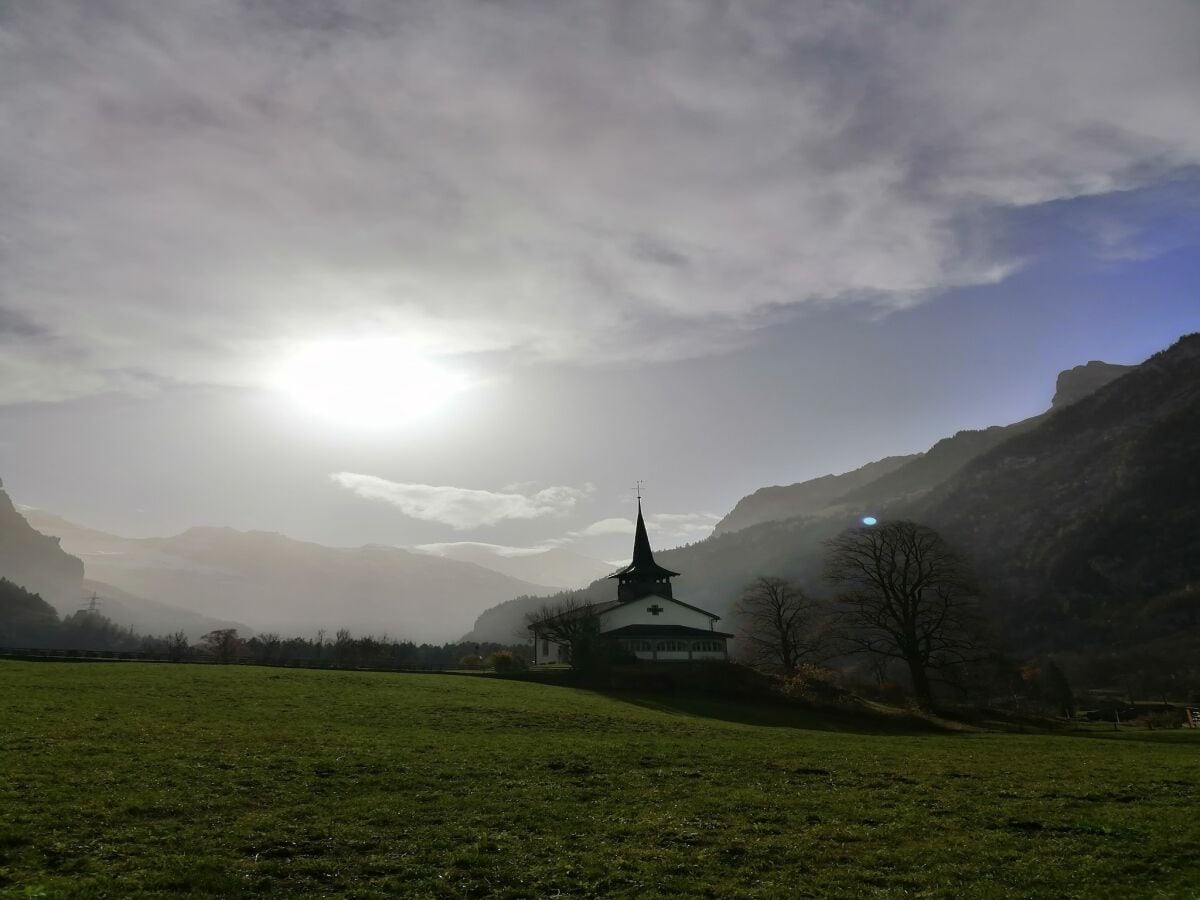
(275, 583)
(36, 561)
(895, 477)
(555, 567)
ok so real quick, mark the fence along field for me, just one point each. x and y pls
(129, 779)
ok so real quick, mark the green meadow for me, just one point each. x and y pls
(133, 779)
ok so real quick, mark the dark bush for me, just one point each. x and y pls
(505, 661)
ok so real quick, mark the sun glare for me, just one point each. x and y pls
(366, 384)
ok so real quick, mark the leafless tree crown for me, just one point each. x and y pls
(565, 621)
(905, 594)
(778, 624)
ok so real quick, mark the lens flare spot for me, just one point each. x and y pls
(869, 520)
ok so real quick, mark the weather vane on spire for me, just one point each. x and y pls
(638, 489)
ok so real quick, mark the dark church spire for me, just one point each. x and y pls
(643, 556)
(643, 576)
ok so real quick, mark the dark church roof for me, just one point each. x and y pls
(643, 567)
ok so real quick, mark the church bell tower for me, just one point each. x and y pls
(643, 577)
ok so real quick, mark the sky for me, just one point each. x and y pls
(424, 272)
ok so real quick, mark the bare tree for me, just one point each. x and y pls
(906, 595)
(778, 624)
(177, 646)
(575, 624)
(223, 643)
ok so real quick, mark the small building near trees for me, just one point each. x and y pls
(645, 619)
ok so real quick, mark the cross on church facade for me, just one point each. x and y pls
(654, 610)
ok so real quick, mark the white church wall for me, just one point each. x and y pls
(547, 652)
(638, 613)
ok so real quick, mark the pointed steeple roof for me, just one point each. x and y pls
(643, 566)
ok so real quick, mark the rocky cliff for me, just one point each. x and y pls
(806, 498)
(37, 562)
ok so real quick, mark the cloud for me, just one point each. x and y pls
(191, 187)
(665, 529)
(503, 550)
(605, 526)
(682, 527)
(601, 528)
(461, 508)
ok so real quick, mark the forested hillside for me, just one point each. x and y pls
(1084, 528)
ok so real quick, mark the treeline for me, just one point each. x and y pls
(29, 622)
(903, 612)
(26, 620)
(345, 650)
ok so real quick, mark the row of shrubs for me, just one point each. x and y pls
(505, 662)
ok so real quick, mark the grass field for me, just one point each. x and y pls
(126, 779)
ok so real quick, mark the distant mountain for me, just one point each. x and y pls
(899, 477)
(1082, 381)
(276, 584)
(150, 617)
(772, 504)
(556, 567)
(505, 622)
(37, 562)
(1081, 526)
(716, 569)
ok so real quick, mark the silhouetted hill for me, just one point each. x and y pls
(556, 567)
(25, 618)
(37, 562)
(1081, 524)
(897, 477)
(274, 583)
(772, 504)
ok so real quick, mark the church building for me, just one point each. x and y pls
(646, 618)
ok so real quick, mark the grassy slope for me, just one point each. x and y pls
(117, 779)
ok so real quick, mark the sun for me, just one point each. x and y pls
(366, 384)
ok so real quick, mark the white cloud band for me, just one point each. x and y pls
(461, 508)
